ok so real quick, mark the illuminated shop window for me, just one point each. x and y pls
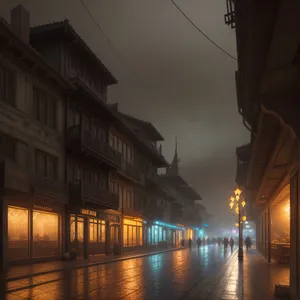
(159, 234)
(149, 235)
(133, 236)
(18, 233)
(45, 234)
(97, 231)
(76, 229)
(132, 233)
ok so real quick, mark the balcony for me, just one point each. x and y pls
(80, 140)
(82, 192)
(132, 171)
(13, 178)
(52, 189)
(230, 16)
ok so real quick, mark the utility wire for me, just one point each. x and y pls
(104, 34)
(203, 33)
(95, 21)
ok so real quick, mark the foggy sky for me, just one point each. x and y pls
(170, 75)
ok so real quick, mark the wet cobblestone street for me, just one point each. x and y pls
(185, 274)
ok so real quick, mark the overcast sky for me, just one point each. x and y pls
(170, 75)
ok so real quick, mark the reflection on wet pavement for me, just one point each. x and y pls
(184, 274)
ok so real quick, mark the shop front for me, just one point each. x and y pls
(273, 231)
(92, 232)
(164, 235)
(34, 230)
(132, 233)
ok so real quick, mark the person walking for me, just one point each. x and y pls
(248, 243)
(225, 242)
(199, 242)
(190, 243)
(231, 243)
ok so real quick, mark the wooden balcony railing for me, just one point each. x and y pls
(81, 191)
(78, 137)
(13, 177)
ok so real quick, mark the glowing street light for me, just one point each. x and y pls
(237, 206)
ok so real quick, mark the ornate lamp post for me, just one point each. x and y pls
(237, 205)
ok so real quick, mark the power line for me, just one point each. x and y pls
(203, 33)
(95, 21)
(103, 33)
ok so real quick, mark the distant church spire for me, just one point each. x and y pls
(174, 168)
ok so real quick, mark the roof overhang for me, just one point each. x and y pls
(18, 49)
(64, 29)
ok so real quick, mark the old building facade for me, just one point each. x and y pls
(77, 176)
(32, 130)
(268, 94)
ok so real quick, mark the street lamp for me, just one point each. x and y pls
(236, 205)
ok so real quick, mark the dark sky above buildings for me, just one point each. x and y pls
(170, 75)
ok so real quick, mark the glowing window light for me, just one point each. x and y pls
(287, 210)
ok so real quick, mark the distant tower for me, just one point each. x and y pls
(174, 167)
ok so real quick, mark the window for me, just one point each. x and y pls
(7, 147)
(46, 165)
(44, 108)
(132, 233)
(121, 147)
(18, 233)
(74, 118)
(97, 231)
(7, 86)
(45, 234)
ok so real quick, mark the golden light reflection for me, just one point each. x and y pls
(243, 203)
(231, 205)
(244, 218)
(236, 224)
(237, 210)
(232, 199)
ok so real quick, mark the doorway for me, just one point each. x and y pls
(77, 234)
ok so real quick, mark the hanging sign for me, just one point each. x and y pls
(41, 207)
(88, 212)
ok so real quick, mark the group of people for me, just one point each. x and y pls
(226, 242)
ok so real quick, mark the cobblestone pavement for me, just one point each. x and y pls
(184, 274)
